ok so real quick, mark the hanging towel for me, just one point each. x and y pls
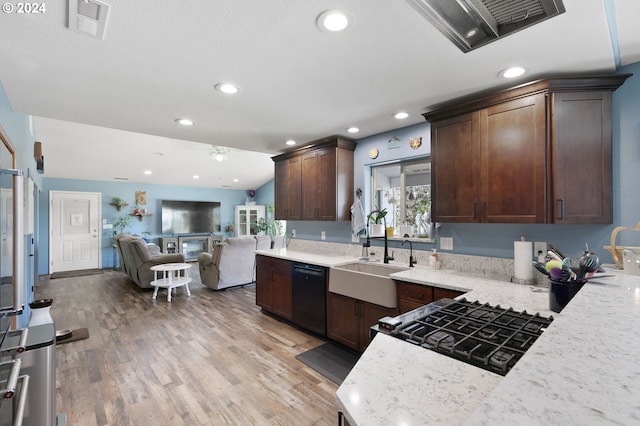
(358, 221)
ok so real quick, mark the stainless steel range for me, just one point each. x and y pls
(486, 336)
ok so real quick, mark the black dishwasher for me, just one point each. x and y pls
(309, 297)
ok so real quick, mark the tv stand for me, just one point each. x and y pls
(190, 245)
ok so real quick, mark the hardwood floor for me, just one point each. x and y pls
(211, 359)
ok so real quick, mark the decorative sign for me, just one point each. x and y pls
(141, 198)
(394, 142)
(76, 219)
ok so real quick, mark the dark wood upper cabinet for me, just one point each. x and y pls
(288, 189)
(315, 182)
(536, 153)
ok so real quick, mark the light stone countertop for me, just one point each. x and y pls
(584, 369)
(319, 259)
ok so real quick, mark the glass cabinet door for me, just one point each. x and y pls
(247, 218)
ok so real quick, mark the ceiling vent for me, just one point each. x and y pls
(88, 17)
(470, 24)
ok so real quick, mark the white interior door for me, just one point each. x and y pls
(75, 241)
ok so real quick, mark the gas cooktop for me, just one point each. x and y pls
(486, 336)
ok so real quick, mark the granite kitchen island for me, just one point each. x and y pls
(582, 370)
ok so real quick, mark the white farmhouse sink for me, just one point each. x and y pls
(365, 281)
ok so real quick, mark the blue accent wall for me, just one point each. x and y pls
(155, 194)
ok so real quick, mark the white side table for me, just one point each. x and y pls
(172, 275)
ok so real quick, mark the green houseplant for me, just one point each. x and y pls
(269, 226)
(375, 220)
(118, 203)
(376, 216)
(121, 224)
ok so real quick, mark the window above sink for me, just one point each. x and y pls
(403, 188)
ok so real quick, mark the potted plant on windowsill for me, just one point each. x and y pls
(375, 223)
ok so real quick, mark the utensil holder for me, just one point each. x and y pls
(561, 293)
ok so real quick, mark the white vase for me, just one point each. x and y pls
(376, 230)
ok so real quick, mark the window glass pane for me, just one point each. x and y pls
(404, 189)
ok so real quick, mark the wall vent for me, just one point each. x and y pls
(470, 24)
(88, 17)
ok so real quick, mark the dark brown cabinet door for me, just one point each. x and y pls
(273, 286)
(288, 189)
(412, 296)
(441, 293)
(282, 304)
(512, 161)
(311, 186)
(327, 201)
(343, 322)
(581, 140)
(455, 169)
(369, 316)
(263, 283)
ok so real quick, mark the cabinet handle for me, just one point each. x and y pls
(475, 210)
(560, 205)
(484, 211)
(412, 294)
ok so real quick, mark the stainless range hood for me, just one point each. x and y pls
(470, 24)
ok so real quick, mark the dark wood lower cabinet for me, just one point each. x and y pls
(273, 286)
(349, 320)
(412, 296)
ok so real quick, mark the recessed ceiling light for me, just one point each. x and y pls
(400, 115)
(512, 72)
(184, 121)
(334, 20)
(236, 180)
(353, 130)
(148, 172)
(290, 142)
(227, 88)
(196, 177)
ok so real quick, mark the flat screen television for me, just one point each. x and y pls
(190, 217)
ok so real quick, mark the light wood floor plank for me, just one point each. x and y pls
(210, 359)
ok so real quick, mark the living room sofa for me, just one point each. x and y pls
(232, 262)
(137, 258)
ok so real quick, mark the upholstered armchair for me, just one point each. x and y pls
(137, 258)
(231, 263)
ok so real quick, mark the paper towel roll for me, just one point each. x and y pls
(522, 260)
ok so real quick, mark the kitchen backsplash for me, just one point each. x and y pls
(486, 267)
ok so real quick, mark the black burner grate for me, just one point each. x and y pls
(487, 336)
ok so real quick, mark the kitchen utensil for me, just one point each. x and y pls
(556, 274)
(567, 273)
(589, 262)
(553, 255)
(553, 264)
(540, 267)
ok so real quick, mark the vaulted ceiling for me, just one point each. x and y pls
(105, 109)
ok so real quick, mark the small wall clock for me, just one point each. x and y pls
(373, 153)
